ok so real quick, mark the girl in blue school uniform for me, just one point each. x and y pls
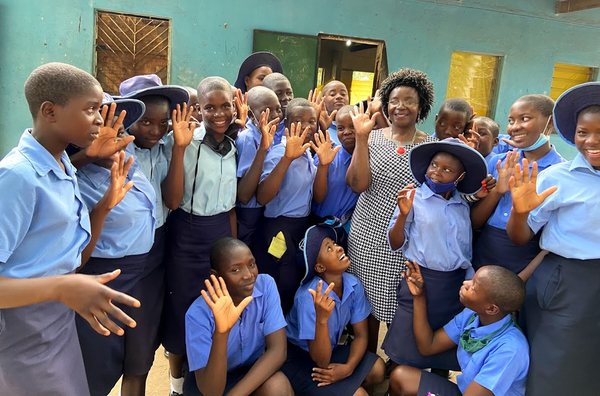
(282, 87)
(561, 306)
(285, 189)
(252, 145)
(332, 195)
(43, 234)
(529, 124)
(205, 214)
(160, 158)
(235, 332)
(316, 363)
(432, 227)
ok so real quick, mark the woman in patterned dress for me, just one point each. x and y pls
(379, 170)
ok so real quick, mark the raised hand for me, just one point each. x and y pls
(109, 141)
(523, 189)
(487, 185)
(323, 303)
(267, 129)
(93, 301)
(220, 303)
(363, 121)
(414, 279)
(295, 146)
(324, 148)
(471, 138)
(119, 186)
(325, 119)
(183, 128)
(374, 104)
(333, 373)
(405, 199)
(241, 106)
(506, 170)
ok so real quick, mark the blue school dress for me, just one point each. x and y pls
(352, 308)
(501, 366)
(493, 245)
(340, 200)
(561, 313)
(287, 213)
(44, 228)
(246, 340)
(438, 238)
(210, 187)
(125, 242)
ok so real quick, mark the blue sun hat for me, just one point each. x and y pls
(473, 162)
(569, 105)
(313, 239)
(138, 87)
(253, 62)
(134, 108)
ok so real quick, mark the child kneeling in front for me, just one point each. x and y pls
(493, 353)
(316, 364)
(235, 337)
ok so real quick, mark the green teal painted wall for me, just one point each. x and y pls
(212, 38)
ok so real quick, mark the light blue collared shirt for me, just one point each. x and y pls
(502, 146)
(129, 226)
(215, 184)
(247, 144)
(279, 133)
(295, 195)
(570, 216)
(332, 130)
(352, 308)
(45, 224)
(340, 200)
(246, 340)
(437, 231)
(154, 164)
(501, 366)
(491, 160)
(501, 214)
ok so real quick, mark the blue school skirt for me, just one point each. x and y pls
(298, 368)
(493, 247)
(190, 388)
(187, 263)
(562, 320)
(288, 270)
(104, 357)
(443, 303)
(39, 352)
(249, 221)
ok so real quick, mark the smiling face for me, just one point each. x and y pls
(217, 110)
(239, 271)
(587, 136)
(487, 138)
(335, 96)
(403, 107)
(153, 125)
(331, 258)
(450, 123)
(257, 76)
(445, 168)
(525, 123)
(284, 92)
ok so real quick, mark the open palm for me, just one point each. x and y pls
(224, 310)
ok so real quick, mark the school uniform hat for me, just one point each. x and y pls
(313, 239)
(473, 162)
(254, 61)
(569, 104)
(134, 108)
(138, 87)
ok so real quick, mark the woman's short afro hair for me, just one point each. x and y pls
(408, 78)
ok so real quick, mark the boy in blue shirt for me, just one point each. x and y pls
(453, 118)
(335, 96)
(235, 335)
(488, 131)
(492, 351)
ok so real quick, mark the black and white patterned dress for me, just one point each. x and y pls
(372, 259)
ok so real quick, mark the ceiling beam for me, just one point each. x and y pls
(564, 6)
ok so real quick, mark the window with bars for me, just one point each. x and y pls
(129, 45)
(566, 76)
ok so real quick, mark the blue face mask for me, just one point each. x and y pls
(541, 140)
(440, 188)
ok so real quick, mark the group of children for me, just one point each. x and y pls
(219, 219)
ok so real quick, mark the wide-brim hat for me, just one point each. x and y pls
(138, 87)
(473, 162)
(134, 108)
(569, 104)
(313, 239)
(254, 61)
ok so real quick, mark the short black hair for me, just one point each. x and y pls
(344, 110)
(270, 80)
(296, 105)
(257, 95)
(491, 124)
(156, 99)
(220, 250)
(215, 83)
(593, 109)
(408, 78)
(57, 83)
(326, 86)
(504, 288)
(457, 104)
(542, 103)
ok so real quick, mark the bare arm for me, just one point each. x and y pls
(212, 378)
(324, 149)
(358, 176)
(405, 199)
(319, 349)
